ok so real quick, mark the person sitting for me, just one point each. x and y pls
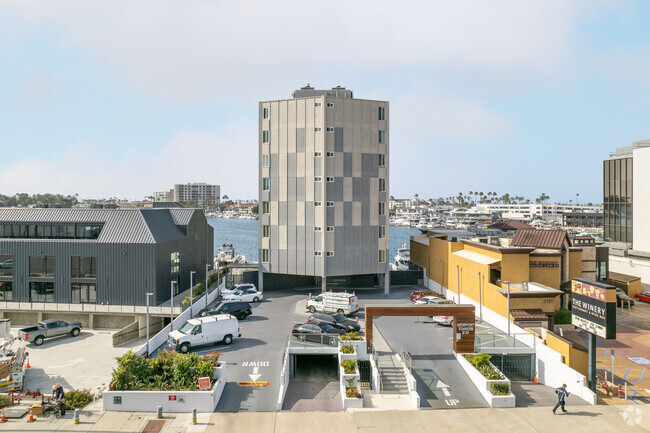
(608, 388)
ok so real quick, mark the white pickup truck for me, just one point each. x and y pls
(334, 302)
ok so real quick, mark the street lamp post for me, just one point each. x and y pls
(171, 306)
(148, 295)
(480, 297)
(426, 271)
(207, 268)
(191, 290)
(458, 280)
(508, 318)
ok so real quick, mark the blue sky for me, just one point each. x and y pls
(120, 99)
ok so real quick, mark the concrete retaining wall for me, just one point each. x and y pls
(157, 340)
(550, 369)
(484, 386)
(126, 334)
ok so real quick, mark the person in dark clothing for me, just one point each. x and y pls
(59, 397)
(562, 393)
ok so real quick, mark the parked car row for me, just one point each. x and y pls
(429, 297)
(324, 333)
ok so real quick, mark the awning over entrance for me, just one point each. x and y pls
(476, 257)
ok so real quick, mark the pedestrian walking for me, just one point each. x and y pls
(562, 393)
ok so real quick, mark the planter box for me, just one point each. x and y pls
(350, 403)
(220, 372)
(360, 347)
(344, 376)
(344, 356)
(484, 385)
(171, 401)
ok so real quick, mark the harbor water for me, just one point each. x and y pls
(242, 234)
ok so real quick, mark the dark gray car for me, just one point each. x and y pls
(336, 320)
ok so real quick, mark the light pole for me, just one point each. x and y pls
(508, 318)
(441, 276)
(426, 271)
(458, 280)
(480, 297)
(171, 306)
(207, 267)
(148, 294)
(191, 290)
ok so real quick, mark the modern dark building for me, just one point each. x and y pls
(582, 219)
(100, 256)
(617, 196)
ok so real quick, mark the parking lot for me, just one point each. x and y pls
(82, 362)
(631, 349)
(86, 361)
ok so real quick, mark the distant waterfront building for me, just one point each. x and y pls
(166, 195)
(323, 189)
(626, 198)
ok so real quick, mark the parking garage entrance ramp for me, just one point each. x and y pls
(314, 383)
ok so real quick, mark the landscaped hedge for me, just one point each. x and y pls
(78, 398)
(500, 388)
(481, 362)
(169, 371)
(562, 317)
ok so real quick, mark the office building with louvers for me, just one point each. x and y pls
(323, 189)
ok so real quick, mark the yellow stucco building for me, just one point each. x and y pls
(481, 272)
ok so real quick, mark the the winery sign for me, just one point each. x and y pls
(593, 307)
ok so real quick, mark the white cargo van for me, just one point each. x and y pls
(204, 330)
(334, 302)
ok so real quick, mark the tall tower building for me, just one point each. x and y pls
(323, 190)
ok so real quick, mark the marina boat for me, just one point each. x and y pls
(402, 259)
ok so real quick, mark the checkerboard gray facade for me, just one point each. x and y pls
(323, 184)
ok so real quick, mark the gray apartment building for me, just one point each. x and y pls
(323, 189)
(99, 256)
(197, 194)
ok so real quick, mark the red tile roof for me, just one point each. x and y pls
(509, 225)
(549, 239)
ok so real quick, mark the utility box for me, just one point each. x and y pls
(5, 328)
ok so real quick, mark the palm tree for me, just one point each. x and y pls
(481, 196)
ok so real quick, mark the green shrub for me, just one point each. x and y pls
(5, 401)
(169, 371)
(500, 388)
(481, 362)
(562, 317)
(78, 398)
(346, 348)
(350, 336)
(349, 366)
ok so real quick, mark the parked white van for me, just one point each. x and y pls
(204, 330)
(334, 302)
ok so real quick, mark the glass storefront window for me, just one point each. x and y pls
(6, 290)
(41, 292)
(6, 265)
(84, 293)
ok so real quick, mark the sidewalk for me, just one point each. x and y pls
(580, 419)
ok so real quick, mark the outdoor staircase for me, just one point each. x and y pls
(393, 380)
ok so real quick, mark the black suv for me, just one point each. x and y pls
(622, 296)
(240, 310)
(338, 321)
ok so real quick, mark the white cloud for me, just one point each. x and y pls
(188, 157)
(205, 49)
